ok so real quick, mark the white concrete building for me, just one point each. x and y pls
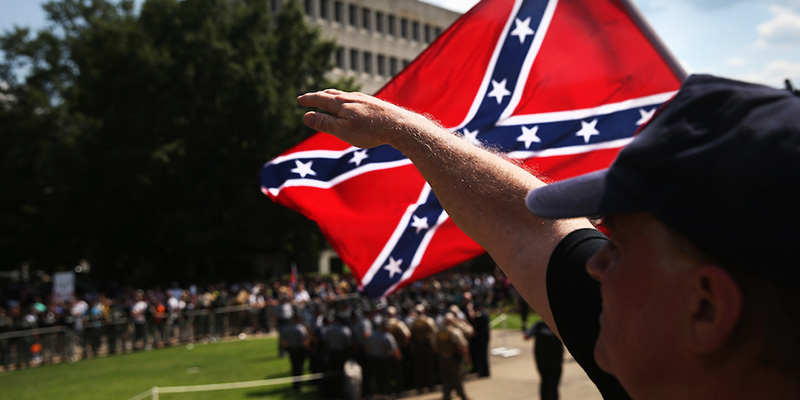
(377, 38)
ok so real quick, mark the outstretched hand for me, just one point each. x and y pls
(359, 119)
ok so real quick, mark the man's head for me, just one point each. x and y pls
(449, 319)
(379, 322)
(701, 268)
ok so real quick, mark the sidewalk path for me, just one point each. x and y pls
(516, 377)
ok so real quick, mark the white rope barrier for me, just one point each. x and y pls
(501, 318)
(155, 391)
(504, 351)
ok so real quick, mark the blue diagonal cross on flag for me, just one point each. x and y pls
(560, 86)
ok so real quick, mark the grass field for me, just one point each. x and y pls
(124, 376)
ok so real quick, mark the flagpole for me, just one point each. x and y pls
(648, 31)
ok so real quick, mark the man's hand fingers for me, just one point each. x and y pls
(320, 121)
(353, 117)
(321, 100)
(327, 100)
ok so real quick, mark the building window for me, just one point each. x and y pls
(309, 6)
(354, 60)
(392, 25)
(394, 66)
(365, 18)
(378, 21)
(406, 62)
(438, 31)
(339, 58)
(428, 34)
(353, 17)
(415, 31)
(323, 9)
(338, 12)
(367, 62)
(404, 28)
(381, 65)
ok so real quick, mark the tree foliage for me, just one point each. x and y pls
(133, 137)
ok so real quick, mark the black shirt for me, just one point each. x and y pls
(575, 303)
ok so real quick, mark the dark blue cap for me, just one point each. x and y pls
(719, 164)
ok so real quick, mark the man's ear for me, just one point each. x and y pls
(715, 308)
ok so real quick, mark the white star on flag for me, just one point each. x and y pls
(529, 136)
(588, 130)
(303, 168)
(645, 116)
(420, 223)
(472, 136)
(499, 90)
(522, 29)
(358, 157)
(393, 267)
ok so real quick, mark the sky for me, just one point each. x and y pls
(751, 40)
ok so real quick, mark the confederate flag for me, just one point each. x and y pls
(560, 86)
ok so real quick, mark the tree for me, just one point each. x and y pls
(134, 139)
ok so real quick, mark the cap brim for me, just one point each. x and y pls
(589, 195)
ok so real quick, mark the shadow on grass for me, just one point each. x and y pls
(285, 393)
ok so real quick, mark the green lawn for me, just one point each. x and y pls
(514, 321)
(125, 376)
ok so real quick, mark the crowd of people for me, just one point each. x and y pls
(426, 335)
(395, 340)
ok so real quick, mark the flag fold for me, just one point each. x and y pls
(560, 86)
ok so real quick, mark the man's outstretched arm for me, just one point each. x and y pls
(483, 193)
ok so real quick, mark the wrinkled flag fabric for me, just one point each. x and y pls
(559, 86)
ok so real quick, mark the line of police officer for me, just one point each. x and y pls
(398, 348)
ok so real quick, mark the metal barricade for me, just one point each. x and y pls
(57, 344)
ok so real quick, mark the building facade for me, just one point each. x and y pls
(377, 38)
